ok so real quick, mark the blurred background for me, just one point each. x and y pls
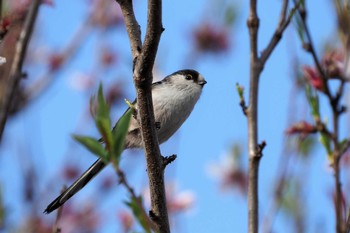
(78, 44)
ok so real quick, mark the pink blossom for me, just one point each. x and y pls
(313, 77)
(209, 38)
(230, 173)
(301, 128)
(333, 62)
(126, 220)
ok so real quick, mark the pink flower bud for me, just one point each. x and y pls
(301, 127)
(313, 77)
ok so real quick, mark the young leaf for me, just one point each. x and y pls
(93, 145)
(312, 98)
(300, 28)
(135, 205)
(119, 133)
(326, 142)
(102, 119)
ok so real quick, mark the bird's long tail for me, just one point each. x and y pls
(95, 168)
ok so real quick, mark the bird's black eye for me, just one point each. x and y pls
(188, 77)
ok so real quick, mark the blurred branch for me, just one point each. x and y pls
(338, 148)
(143, 58)
(16, 68)
(56, 228)
(58, 60)
(256, 66)
(124, 182)
(309, 46)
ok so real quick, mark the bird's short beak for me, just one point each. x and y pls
(202, 82)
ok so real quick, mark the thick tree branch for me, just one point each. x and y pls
(16, 67)
(144, 57)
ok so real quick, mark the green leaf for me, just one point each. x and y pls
(135, 205)
(312, 98)
(93, 145)
(102, 119)
(240, 91)
(326, 142)
(102, 107)
(300, 28)
(104, 127)
(119, 134)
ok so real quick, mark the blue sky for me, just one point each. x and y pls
(44, 128)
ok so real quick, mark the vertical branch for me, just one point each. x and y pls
(340, 227)
(256, 66)
(16, 67)
(252, 115)
(144, 57)
(143, 79)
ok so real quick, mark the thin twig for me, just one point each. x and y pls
(16, 68)
(56, 228)
(282, 25)
(168, 159)
(125, 183)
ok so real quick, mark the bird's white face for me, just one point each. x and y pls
(184, 85)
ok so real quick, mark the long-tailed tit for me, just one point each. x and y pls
(173, 100)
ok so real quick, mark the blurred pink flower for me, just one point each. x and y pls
(230, 173)
(108, 56)
(107, 183)
(34, 223)
(181, 202)
(4, 26)
(114, 93)
(71, 172)
(105, 15)
(333, 62)
(210, 38)
(82, 219)
(301, 127)
(313, 77)
(177, 202)
(55, 61)
(126, 219)
(82, 81)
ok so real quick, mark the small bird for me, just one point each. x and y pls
(173, 100)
